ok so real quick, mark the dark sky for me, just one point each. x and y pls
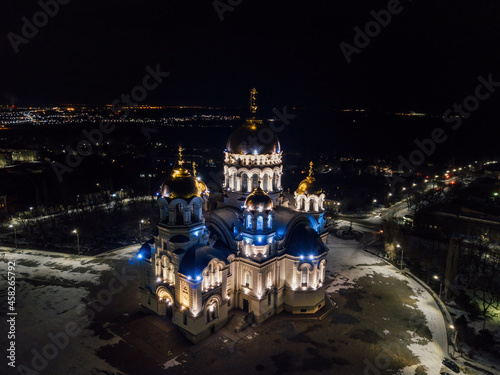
(91, 51)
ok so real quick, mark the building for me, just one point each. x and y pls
(18, 156)
(253, 252)
(5, 159)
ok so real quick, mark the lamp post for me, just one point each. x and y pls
(402, 252)
(77, 240)
(15, 233)
(140, 230)
(440, 284)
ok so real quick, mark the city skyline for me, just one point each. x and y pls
(295, 55)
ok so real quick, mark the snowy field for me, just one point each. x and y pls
(350, 264)
(52, 292)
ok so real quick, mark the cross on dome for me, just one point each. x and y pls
(311, 169)
(194, 168)
(253, 101)
(181, 161)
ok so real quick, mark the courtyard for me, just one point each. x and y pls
(378, 321)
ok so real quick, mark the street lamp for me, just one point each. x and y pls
(140, 230)
(77, 240)
(402, 251)
(15, 233)
(440, 284)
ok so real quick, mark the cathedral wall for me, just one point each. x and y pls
(197, 328)
(304, 302)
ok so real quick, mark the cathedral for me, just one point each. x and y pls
(256, 251)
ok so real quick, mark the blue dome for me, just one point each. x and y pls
(304, 240)
(198, 257)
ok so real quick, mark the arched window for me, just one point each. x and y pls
(180, 217)
(247, 279)
(269, 221)
(321, 271)
(255, 181)
(212, 310)
(244, 183)
(249, 221)
(260, 223)
(304, 275)
(269, 282)
(232, 181)
(206, 280)
(265, 183)
(158, 267)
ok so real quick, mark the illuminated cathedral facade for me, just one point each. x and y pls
(256, 252)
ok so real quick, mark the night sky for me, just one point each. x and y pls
(428, 57)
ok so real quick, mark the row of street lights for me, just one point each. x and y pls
(436, 277)
(75, 231)
(12, 226)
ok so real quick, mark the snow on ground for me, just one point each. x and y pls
(173, 362)
(35, 264)
(45, 310)
(124, 253)
(349, 260)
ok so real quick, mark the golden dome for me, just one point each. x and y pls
(246, 139)
(253, 137)
(309, 186)
(258, 200)
(180, 184)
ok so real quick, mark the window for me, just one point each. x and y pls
(249, 221)
(260, 223)
(244, 183)
(322, 271)
(212, 310)
(269, 299)
(305, 275)
(247, 279)
(269, 282)
(255, 181)
(269, 222)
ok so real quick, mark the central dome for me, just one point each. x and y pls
(253, 137)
